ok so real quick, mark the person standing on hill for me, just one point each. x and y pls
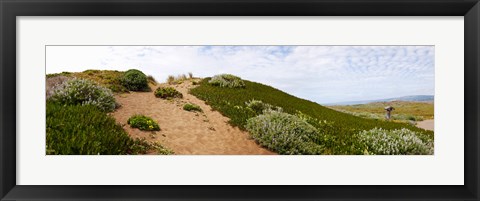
(389, 109)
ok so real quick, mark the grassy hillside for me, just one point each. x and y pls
(340, 132)
(404, 110)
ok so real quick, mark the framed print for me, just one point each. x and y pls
(195, 100)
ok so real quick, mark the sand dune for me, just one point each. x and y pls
(185, 132)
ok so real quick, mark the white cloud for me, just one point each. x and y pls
(323, 74)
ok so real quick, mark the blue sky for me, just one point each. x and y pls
(324, 74)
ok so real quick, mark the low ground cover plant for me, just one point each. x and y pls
(143, 122)
(141, 145)
(84, 130)
(284, 133)
(84, 92)
(378, 141)
(192, 107)
(227, 80)
(135, 80)
(167, 92)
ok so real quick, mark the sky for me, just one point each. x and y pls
(323, 74)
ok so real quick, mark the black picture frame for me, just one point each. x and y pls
(10, 9)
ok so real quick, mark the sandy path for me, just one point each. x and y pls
(184, 132)
(427, 124)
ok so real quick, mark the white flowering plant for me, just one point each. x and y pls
(403, 141)
(260, 107)
(227, 80)
(284, 133)
(84, 92)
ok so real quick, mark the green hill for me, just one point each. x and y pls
(339, 131)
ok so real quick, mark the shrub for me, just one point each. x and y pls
(84, 130)
(260, 107)
(135, 80)
(394, 142)
(192, 107)
(167, 92)
(227, 80)
(143, 123)
(84, 92)
(284, 133)
(54, 82)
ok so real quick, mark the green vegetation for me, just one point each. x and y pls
(143, 123)
(395, 142)
(227, 80)
(142, 146)
(167, 93)
(84, 130)
(84, 92)
(260, 107)
(192, 107)
(337, 131)
(404, 110)
(135, 80)
(59, 74)
(285, 133)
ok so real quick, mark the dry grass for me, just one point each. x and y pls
(404, 110)
(179, 79)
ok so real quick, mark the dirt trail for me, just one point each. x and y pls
(427, 124)
(206, 133)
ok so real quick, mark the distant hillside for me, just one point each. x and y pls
(404, 110)
(416, 98)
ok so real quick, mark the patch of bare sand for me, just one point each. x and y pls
(427, 124)
(203, 133)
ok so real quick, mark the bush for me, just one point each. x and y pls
(227, 80)
(54, 82)
(284, 133)
(135, 80)
(143, 123)
(192, 107)
(84, 130)
(84, 92)
(167, 92)
(378, 141)
(260, 107)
